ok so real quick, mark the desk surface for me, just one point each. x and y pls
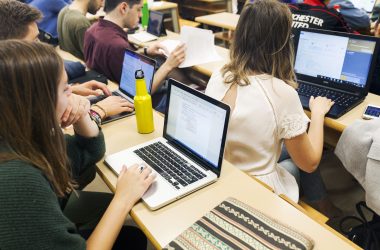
(165, 224)
(161, 5)
(223, 20)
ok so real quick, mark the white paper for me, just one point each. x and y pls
(200, 46)
(169, 45)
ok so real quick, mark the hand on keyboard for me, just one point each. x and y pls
(133, 183)
(114, 105)
(91, 88)
(320, 105)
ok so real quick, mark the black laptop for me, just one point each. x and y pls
(127, 88)
(156, 28)
(336, 65)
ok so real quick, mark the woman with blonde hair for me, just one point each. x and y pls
(34, 166)
(259, 85)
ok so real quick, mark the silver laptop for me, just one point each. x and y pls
(189, 156)
(127, 88)
(155, 28)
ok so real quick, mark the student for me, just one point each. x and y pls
(106, 55)
(315, 14)
(50, 10)
(19, 21)
(33, 162)
(258, 84)
(72, 24)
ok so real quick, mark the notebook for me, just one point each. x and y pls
(189, 155)
(336, 65)
(155, 28)
(367, 5)
(127, 88)
(235, 225)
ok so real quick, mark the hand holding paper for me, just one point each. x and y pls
(200, 46)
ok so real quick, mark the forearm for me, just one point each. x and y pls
(315, 133)
(160, 76)
(86, 127)
(107, 230)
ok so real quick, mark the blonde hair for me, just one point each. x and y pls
(262, 44)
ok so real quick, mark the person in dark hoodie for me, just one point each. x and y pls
(315, 14)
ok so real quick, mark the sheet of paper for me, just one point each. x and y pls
(170, 45)
(200, 46)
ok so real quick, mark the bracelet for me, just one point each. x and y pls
(146, 51)
(95, 117)
(101, 108)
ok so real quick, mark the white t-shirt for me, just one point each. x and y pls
(266, 112)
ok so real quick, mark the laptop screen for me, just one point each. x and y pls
(155, 23)
(197, 124)
(132, 62)
(337, 59)
(367, 5)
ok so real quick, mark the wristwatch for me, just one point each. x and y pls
(146, 51)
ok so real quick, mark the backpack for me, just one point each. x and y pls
(367, 233)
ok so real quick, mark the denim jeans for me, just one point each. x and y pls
(311, 184)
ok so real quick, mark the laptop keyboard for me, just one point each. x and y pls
(99, 98)
(339, 98)
(169, 165)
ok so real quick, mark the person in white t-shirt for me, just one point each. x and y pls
(259, 85)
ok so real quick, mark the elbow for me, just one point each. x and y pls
(311, 166)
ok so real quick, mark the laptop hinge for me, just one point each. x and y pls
(335, 89)
(189, 155)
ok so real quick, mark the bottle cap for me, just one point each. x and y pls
(139, 74)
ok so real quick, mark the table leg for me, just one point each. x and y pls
(175, 19)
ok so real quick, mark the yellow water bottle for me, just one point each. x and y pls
(143, 105)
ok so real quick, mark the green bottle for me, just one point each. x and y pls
(143, 105)
(145, 15)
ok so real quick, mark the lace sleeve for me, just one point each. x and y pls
(293, 125)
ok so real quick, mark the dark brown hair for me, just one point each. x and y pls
(261, 44)
(15, 17)
(29, 76)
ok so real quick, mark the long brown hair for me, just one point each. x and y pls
(29, 76)
(261, 44)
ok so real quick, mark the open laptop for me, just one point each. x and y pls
(367, 5)
(155, 29)
(336, 65)
(127, 88)
(189, 155)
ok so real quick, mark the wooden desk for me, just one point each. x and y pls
(228, 3)
(165, 224)
(223, 20)
(172, 8)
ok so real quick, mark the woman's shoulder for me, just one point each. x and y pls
(16, 172)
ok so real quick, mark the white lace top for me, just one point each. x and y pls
(266, 112)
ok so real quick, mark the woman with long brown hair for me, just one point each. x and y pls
(258, 83)
(34, 166)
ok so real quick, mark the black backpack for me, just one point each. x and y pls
(365, 234)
